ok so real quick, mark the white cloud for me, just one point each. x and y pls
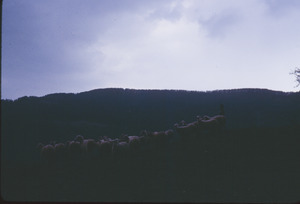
(182, 53)
(188, 44)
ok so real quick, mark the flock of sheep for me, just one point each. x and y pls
(124, 146)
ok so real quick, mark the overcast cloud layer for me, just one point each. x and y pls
(53, 46)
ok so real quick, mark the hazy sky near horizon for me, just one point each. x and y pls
(51, 46)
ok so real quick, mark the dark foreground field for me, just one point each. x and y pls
(237, 165)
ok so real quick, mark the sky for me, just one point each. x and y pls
(71, 46)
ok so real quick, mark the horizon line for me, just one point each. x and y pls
(150, 89)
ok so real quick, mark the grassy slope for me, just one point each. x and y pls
(240, 165)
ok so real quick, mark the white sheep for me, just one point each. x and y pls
(187, 129)
(213, 123)
(136, 143)
(46, 152)
(120, 150)
(89, 148)
(79, 138)
(160, 139)
(105, 149)
(203, 118)
(60, 151)
(74, 150)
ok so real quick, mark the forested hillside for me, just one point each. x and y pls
(111, 112)
(259, 142)
(115, 111)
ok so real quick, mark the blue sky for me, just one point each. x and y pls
(51, 46)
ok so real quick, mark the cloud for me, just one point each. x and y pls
(219, 24)
(72, 46)
(279, 8)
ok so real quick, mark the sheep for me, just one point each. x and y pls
(136, 143)
(52, 143)
(203, 118)
(187, 129)
(188, 133)
(182, 123)
(145, 141)
(77, 150)
(213, 123)
(92, 148)
(204, 123)
(39, 146)
(74, 150)
(144, 133)
(219, 118)
(120, 150)
(60, 151)
(89, 148)
(105, 149)
(79, 139)
(161, 138)
(46, 152)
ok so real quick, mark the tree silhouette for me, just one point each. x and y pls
(296, 72)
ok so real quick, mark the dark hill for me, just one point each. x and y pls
(243, 107)
(255, 159)
(112, 112)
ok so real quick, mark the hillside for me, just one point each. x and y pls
(112, 112)
(240, 164)
(133, 110)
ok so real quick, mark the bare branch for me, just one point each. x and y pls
(296, 72)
